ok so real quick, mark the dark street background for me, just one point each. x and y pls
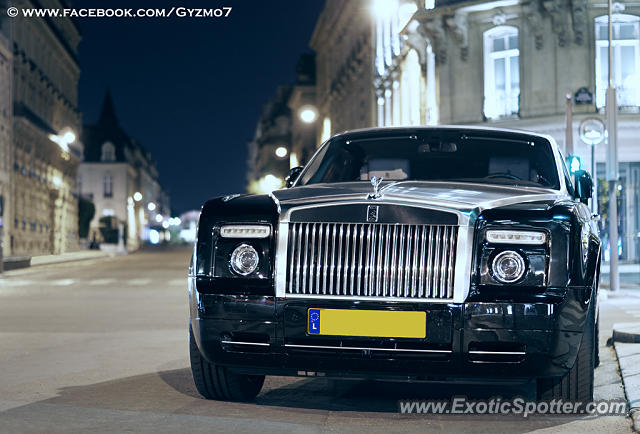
(190, 90)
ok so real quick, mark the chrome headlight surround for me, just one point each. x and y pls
(244, 260)
(508, 266)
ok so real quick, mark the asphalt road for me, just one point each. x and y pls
(101, 346)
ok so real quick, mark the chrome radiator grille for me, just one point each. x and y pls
(371, 260)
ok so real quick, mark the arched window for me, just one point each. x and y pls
(626, 59)
(108, 152)
(501, 72)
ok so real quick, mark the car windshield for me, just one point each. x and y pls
(436, 157)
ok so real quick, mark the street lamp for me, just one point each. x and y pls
(151, 206)
(308, 114)
(281, 152)
(159, 218)
(64, 139)
(137, 196)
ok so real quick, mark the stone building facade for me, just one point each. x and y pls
(121, 179)
(505, 63)
(6, 126)
(45, 156)
(286, 133)
(344, 46)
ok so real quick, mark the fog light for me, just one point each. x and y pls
(508, 266)
(244, 260)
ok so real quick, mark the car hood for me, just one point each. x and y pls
(462, 196)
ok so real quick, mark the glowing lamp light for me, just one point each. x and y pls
(165, 224)
(270, 183)
(159, 218)
(154, 236)
(137, 196)
(385, 8)
(281, 152)
(64, 139)
(57, 181)
(308, 114)
(69, 137)
(151, 206)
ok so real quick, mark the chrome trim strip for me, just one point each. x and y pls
(280, 268)
(332, 267)
(505, 353)
(429, 289)
(423, 246)
(462, 274)
(260, 344)
(452, 258)
(427, 202)
(290, 253)
(370, 297)
(298, 260)
(339, 270)
(328, 347)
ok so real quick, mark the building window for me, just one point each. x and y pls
(108, 185)
(108, 152)
(626, 60)
(501, 72)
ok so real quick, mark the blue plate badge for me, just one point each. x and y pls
(314, 321)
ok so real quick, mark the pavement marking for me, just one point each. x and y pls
(62, 282)
(96, 282)
(15, 282)
(139, 282)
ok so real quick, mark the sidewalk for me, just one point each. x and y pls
(626, 342)
(69, 257)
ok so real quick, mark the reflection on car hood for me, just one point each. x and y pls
(456, 195)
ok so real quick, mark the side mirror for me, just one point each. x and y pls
(584, 186)
(293, 176)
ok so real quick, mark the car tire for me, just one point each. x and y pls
(577, 384)
(218, 382)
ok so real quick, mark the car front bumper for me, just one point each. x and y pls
(488, 341)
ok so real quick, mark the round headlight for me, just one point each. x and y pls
(508, 266)
(244, 260)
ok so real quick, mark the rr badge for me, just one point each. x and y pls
(372, 214)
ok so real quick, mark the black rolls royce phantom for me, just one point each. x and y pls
(421, 254)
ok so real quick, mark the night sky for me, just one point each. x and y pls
(190, 90)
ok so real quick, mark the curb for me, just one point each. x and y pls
(628, 355)
(37, 261)
(626, 332)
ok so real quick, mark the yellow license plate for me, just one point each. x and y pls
(370, 323)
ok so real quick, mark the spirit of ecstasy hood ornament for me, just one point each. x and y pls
(376, 188)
